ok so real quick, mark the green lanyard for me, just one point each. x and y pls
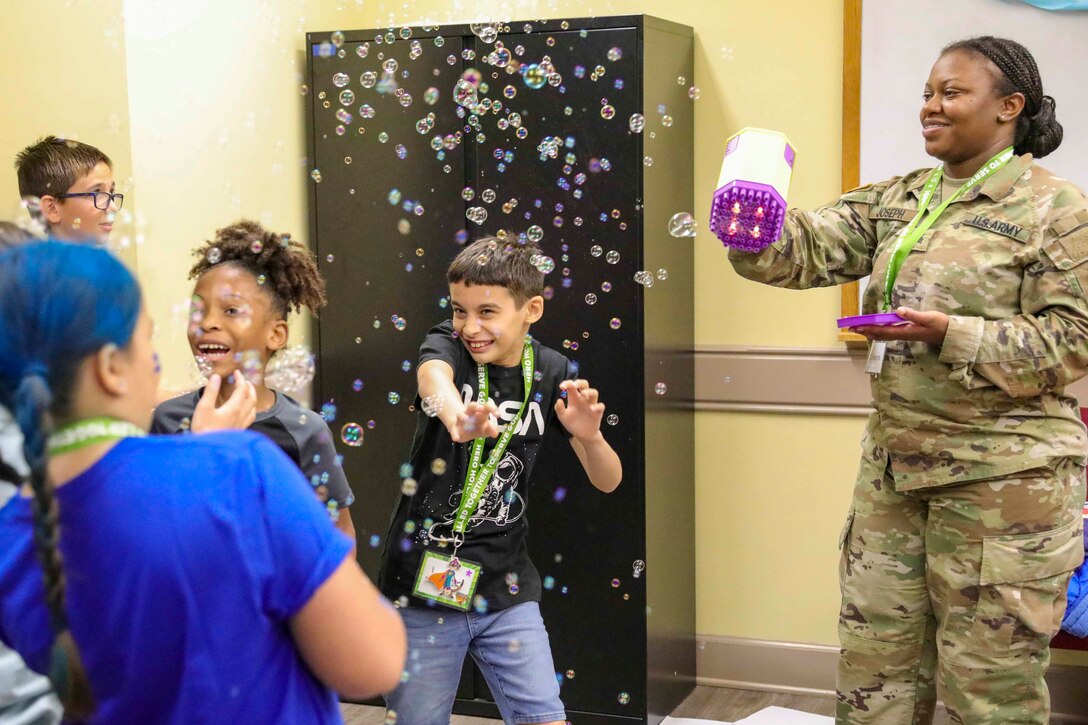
(83, 433)
(924, 219)
(478, 475)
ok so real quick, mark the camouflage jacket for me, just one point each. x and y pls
(1008, 262)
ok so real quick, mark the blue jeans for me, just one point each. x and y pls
(510, 647)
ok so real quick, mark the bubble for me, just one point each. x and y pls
(637, 568)
(615, 583)
(400, 323)
(430, 96)
(694, 93)
(476, 214)
(438, 466)
(570, 674)
(535, 76)
(662, 274)
(357, 385)
(682, 225)
(347, 97)
(647, 160)
(545, 264)
(341, 79)
(661, 388)
(612, 419)
(390, 717)
(614, 54)
(366, 111)
(608, 112)
(368, 79)
(409, 486)
(362, 50)
(352, 434)
(401, 150)
(432, 405)
(680, 81)
(534, 233)
(612, 257)
(488, 196)
(370, 425)
(425, 124)
(637, 122)
(375, 541)
(591, 299)
(488, 32)
(406, 33)
(404, 226)
(465, 93)
(390, 65)
(596, 250)
(316, 176)
(394, 196)
(468, 193)
(623, 698)
(615, 323)
(405, 99)
(393, 398)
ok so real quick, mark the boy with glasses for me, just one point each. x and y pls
(69, 187)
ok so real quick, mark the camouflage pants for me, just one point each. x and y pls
(962, 586)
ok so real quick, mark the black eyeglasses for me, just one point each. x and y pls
(102, 199)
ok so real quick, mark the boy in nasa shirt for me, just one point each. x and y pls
(456, 557)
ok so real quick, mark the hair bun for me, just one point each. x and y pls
(1044, 132)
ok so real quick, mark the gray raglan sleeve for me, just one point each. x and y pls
(320, 462)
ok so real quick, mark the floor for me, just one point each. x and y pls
(708, 703)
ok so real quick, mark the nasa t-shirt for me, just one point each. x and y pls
(497, 532)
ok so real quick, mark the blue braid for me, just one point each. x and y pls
(60, 303)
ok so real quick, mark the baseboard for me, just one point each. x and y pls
(809, 669)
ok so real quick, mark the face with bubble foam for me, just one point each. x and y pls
(490, 323)
(239, 321)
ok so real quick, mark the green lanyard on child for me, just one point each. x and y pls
(924, 219)
(88, 432)
(478, 475)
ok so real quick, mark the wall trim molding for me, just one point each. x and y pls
(790, 380)
(809, 669)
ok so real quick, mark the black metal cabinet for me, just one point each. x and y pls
(393, 156)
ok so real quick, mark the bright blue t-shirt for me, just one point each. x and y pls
(185, 557)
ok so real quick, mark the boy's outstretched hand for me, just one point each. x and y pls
(580, 414)
(238, 413)
(475, 421)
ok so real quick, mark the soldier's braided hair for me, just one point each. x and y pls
(1037, 130)
(283, 266)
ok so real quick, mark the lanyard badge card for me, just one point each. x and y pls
(451, 580)
(906, 241)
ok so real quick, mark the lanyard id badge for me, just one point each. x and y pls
(451, 580)
(916, 229)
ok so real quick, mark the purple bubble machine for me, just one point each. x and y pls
(749, 206)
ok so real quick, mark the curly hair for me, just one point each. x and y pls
(283, 266)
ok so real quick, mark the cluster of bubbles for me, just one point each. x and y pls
(291, 370)
(644, 278)
(432, 405)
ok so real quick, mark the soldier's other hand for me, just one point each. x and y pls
(920, 327)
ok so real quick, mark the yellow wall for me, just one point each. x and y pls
(64, 74)
(199, 102)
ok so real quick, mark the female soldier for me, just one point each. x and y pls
(172, 579)
(965, 521)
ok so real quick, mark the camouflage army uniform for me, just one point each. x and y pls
(965, 522)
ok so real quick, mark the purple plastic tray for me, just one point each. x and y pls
(879, 318)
